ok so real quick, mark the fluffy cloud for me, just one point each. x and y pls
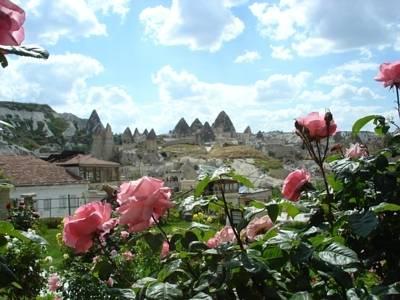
(268, 104)
(48, 21)
(62, 82)
(248, 57)
(318, 27)
(281, 52)
(199, 25)
(350, 72)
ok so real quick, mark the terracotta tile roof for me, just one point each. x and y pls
(24, 170)
(88, 161)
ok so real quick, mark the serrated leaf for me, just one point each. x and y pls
(363, 224)
(200, 187)
(164, 291)
(301, 296)
(338, 255)
(360, 123)
(273, 211)
(384, 206)
(201, 296)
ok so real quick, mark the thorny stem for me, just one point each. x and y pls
(162, 230)
(229, 215)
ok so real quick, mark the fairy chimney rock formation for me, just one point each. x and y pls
(103, 143)
(207, 134)
(145, 132)
(196, 126)
(136, 136)
(94, 123)
(181, 129)
(152, 135)
(223, 126)
(247, 130)
(127, 137)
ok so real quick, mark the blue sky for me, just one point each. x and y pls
(147, 63)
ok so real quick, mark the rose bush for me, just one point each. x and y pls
(12, 17)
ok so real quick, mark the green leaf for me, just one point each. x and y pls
(284, 239)
(200, 187)
(249, 213)
(143, 282)
(155, 241)
(34, 237)
(360, 123)
(384, 206)
(363, 224)
(6, 275)
(338, 255)
(241, 179)
(301, 296)
(123, 294)
(6, 228)
(200, 226)
(289, 208)
(393, 289)
(273, 211)
(164, 291)
(201, 296)
(103, 269)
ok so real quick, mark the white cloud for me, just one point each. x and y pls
(350, 72)
(48, 20)
(247, 57)
(62, 82)
(280, 52)
(199, 25)
(269, 104)
(317, 27)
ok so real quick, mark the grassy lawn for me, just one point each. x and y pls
(53, 249)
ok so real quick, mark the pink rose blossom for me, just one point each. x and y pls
(293, 184)
(317, 126)
(389, 74)
(164, 249)
(88, 220)
(257, 226)
(127, 255)
(124, 234)
(141, 200)
(12, 18)
(356, 151)
(225, 235)
(53, 282)
(110, 282)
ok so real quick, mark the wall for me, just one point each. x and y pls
(52, 201)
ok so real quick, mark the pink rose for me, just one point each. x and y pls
(317, 125)
(141, 200)
(88, 220)
(257, 226)
(164, 249)
(389, 74)
(53, 282)
(127, 255)
(225, 235)
(293, 184)
(356, 151)
(11, 19)
(124, 234)
(110, 282)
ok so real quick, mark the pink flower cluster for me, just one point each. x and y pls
(294, 183)
(141, 202)
(356, 151)
(12, 18)
(256, 226)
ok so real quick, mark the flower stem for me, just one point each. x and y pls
(162, 230)
(229, 215)
(398, 100)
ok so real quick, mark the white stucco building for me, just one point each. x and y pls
(57, 192)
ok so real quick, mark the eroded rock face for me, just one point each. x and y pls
(196, 126)
(207, 134)
(181, 129)
(127, 137)
(94, 123)
(103, 143)
(223, 125)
